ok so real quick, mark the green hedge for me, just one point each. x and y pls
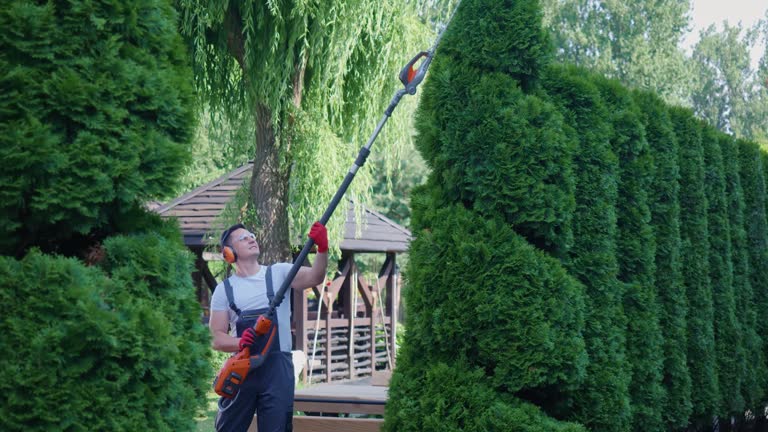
(602, 403)
(98, 111)
(635, 252)
(749, 362)
(502, 36)
(564, 215)
(695, 259)
(524, 176)
(753, 186)
(117, 348)
(727, 333)
(665, 221)
(460, 399)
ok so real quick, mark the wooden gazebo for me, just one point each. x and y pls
(355, 331)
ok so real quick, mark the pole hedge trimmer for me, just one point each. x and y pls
(235, 370)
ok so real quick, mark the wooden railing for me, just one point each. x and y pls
(359, 318)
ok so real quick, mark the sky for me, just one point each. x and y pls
(706, 12)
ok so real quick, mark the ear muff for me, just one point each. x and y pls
(229, 254)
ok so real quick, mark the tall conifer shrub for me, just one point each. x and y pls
(665, 221)
(744, 298)
(97, 116)
(695, 262)
(728, 345)
(117, 347)
(753, 186)
(477, 123)
(636, 248)
(494, 322)
(603, 402)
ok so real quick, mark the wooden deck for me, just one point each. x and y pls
(322, 403)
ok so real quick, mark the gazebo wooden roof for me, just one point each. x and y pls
(197, 212)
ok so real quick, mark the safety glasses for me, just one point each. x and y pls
(245, 236)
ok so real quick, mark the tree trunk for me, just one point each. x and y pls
(269, 191)
(269, 180)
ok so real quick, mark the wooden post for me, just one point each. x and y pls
(372, 317)
(350, 306)
(393, 300)
(300, 325)
(328, 342)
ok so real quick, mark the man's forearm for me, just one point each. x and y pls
(320, 266)
(225, 343)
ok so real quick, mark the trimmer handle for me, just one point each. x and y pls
(263, 325)
(410, 76)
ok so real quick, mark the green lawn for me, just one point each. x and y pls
(206, 416)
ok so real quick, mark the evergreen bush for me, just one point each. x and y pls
(496, 143)
(753, 186)
(525, 312)
(729, 352)
(498, 150)
(583, 253)
(482, 298)
(460, 399)
(602, 403)
(502, 36)
(97, 115)
(749, 362)
(114, 348)
(694, 235)
(635, 252)
(665, 221)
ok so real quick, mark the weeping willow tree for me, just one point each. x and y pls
(310, 79)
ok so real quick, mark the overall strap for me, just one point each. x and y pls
(231, 297)
(268, 279)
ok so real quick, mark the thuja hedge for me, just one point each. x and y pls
(664, 205)
(729, 352)
(483, 298)
(750, 364)
(97, 113)
(552, 187)
(480, 101)
(602, 402)
(635, 252)
(115, 347)
(695, 262)
(753, 186)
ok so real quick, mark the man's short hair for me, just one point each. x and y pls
(227, 232)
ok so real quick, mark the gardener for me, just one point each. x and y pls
(268, 390)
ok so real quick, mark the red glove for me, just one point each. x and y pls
(249, 335)
(319, 234)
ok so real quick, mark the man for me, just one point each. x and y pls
(268, 389)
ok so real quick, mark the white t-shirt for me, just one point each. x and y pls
(251, 293)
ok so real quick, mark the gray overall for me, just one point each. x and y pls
(268, 389)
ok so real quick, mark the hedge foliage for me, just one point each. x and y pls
(694, 234)
(95, 120)
(729, 352)
(117, 348)
(635, 252)
(602, 402)
(475, 109)
(753, 186)
(585, 255)
(97, 115)
(668, 278)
